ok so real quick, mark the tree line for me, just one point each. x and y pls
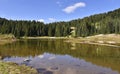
(105, 23)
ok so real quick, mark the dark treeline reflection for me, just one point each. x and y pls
(99, 55)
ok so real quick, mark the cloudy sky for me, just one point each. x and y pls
(54, 10)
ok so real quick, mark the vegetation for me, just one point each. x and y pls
(7, 38)
(105, 23)
(101, 39)
(12, 68)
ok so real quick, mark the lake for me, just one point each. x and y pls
(54, 56)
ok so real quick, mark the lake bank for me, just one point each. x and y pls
(7, 38)
(13, 68)
(101, 39)
(46, 37)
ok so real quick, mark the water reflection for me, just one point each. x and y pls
(73, 46)
(58, 57)
(61, 64)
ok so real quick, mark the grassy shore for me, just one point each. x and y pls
(7, 38)
(12, 68)
(101, 39)
(44, 37)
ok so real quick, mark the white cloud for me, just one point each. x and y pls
(72, 8)
(51, 19)
(41, 20)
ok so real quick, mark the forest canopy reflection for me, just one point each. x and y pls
(100, 55)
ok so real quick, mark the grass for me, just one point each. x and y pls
(101, 39)
(44, 37)
(105, 38)
(6, 38)
(12, 68)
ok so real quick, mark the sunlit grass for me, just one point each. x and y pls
(6, 38)
(12, 68)
(113, 39)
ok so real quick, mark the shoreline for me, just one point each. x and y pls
(2, 42)
(13, 68)
(95, 43)
(7, 38)
(44, 38)
(101, 39)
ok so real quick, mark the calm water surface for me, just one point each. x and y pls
(57, 57)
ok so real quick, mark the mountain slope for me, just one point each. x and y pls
(104, 23)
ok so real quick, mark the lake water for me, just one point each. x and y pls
(50, 56)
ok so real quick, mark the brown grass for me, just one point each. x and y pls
(6, 38)
(13, 68)
(107, 39)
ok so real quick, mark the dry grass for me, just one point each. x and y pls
(44, 37)
(111, 39)
(107, 38)
(12, 68)
(6, 38)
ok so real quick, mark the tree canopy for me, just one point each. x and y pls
(104, 23)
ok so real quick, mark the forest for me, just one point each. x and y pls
(104, 23)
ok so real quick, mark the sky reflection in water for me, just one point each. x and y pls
(58, 57)
(61, 64)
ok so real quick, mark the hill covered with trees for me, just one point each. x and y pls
(105, 23)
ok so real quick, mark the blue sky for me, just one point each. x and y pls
(54, 10)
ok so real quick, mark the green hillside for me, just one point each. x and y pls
(104, 23)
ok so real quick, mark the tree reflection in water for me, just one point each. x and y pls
(108, 57)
